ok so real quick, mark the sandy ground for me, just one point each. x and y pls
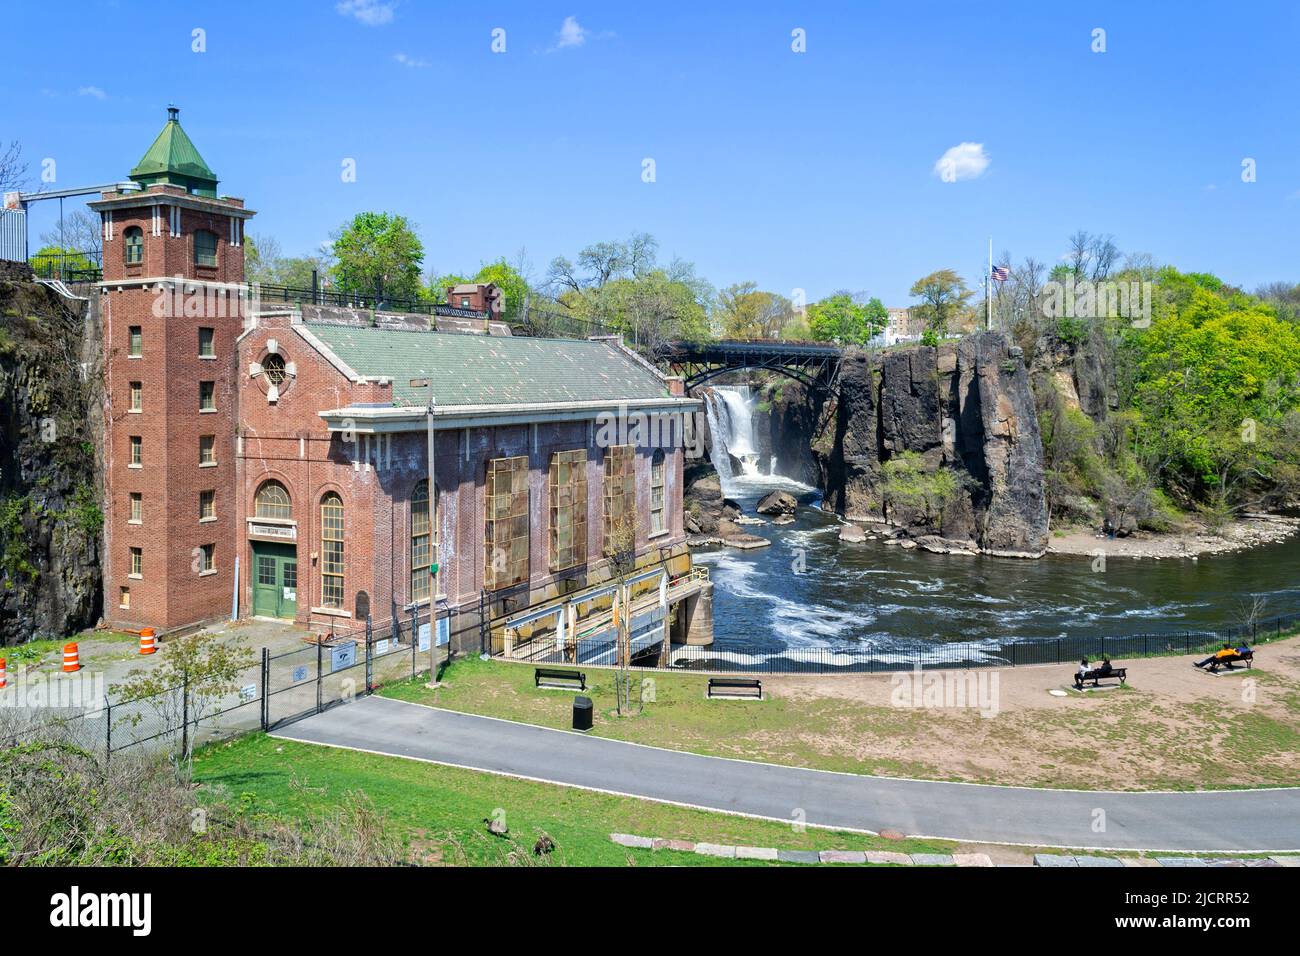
(1177, 727)
(1246, 533)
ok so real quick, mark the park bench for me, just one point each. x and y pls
(559, 678)
(1097, 673)
(735, 687)
(1243, 654)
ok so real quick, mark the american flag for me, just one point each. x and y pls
(1001, 273)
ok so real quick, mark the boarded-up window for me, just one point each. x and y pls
(568, 487)
(505, 548)
(620, 499)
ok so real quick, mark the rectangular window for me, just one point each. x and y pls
(505, 550)
(207, 449)
(568, 487)
(137, 507)
(137, 397)
(207, 343)
(620, 500)
(137, 451)
(124, 598)
(207, 505)
(137, 342)
(207, 396)
(207, 558)
(137, 562)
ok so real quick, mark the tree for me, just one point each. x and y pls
(620, 286)
(514, 287)
(13, 171)
(745, 312)
(264, 264)
(944, 296)
(839, 318)
(82, 233)
(378, 250)
(186, 687)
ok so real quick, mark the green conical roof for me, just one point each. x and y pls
(173, 159)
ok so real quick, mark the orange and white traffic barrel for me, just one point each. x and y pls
(147, 641)
(71, 660)
(4, 680)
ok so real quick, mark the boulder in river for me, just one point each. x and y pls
(777, 503)
(852, 533)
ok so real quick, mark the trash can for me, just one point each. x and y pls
(582, 713)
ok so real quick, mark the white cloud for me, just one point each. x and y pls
(571, 34)
(94, 91)
(410, 61)
(372, 13)
(963, 161)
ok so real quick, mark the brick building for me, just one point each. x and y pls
(274, 460)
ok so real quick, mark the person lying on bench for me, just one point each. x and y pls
(1220, 656)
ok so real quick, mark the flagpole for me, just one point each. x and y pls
(988, 291)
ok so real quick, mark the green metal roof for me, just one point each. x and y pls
(174, 159)
(491, 370)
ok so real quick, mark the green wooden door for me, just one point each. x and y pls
(275, 579)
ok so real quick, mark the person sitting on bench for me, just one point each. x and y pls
(1082, 671)
(1103, 669)
(1220, 656)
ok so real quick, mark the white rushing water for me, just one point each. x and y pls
(730, 410)
(731, 423)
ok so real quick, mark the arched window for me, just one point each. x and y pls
(421, 543)
(133, 245)
(205, 248)
(273, 502)
(657, 492)
(331, 534)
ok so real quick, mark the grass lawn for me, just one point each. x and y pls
(1178, 734)
(441, 811)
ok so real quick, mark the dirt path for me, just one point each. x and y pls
(1247, 533)
(1175, 727)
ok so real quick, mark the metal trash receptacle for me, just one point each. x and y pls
(582, 713)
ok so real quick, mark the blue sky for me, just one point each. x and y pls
(811, 170)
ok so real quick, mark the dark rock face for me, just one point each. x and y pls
(966, 407)
(50, 511)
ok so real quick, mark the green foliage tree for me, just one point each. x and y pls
(186, 687)
(378, 248)
(743, 311)
(1215, 381)
(839, 318)
(944, 297)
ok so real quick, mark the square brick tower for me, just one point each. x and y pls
(173, 302)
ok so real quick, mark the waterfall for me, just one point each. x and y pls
(730, 411)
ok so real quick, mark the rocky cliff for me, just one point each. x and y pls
(958, 423)
(50, 517)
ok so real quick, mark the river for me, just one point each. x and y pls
(809, 590)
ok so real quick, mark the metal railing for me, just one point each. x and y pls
(68, 265)
(740, 658)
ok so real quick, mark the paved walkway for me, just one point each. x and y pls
(1237, 820)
